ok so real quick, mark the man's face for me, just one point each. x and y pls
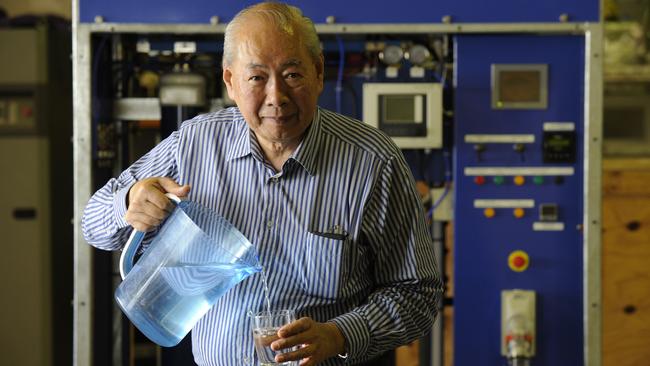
(275, 82)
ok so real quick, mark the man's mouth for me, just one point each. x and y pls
(279, 119)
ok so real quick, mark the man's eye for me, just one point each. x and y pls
(293, 75)
(255, 78)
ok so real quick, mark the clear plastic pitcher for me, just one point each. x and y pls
(193, 260)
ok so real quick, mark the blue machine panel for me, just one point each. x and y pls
(362, 11)
(482, 245)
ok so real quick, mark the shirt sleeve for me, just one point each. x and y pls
(408, 285)
(103, 224)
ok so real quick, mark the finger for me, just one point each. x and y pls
(265, 340)
(169, 185)
(156, 197)
(141, 221)
(298, 326)
(294, 340)
(148, 209)
(299, 354)
(147, 190)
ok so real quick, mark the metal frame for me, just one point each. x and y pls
(592, 222)
(592, 141)
(82, 180)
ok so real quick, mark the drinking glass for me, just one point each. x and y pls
(265, 331)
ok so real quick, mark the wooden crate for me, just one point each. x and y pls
(626, 262)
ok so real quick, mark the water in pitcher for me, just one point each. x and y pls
(187, 292)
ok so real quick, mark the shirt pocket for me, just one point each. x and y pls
(325, 267)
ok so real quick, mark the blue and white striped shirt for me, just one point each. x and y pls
(377, 280)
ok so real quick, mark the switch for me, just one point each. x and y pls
(519, 180)
(479, 180)
(518, 261)
(479, 149)
(558, 180)
(489, 212)
(519, 149)
(498, 180)
(518, 212)
(539, 180)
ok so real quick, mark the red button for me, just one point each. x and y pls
(479, 179)
(518, 261)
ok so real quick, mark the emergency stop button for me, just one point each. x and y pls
(518, 261)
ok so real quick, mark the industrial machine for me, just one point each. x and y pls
(498, 101)
(35, 207)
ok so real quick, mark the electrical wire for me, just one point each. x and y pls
(447, 185)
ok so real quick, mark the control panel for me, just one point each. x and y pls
(518, 199)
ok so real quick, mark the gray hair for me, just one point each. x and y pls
(285, 17)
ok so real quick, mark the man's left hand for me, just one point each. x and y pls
(317, 342)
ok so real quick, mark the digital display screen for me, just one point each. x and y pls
(559, 143)
(519, 86)
(398, 108)
(559, 146)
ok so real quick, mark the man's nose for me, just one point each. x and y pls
(276, 93)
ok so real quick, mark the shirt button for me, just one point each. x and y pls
(269, 224)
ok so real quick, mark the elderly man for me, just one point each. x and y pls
(328, 202)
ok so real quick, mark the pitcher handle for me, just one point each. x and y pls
(132, 245)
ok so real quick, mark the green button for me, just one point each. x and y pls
(498, 180)
(538, 180)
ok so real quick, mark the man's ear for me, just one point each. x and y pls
(227, 79)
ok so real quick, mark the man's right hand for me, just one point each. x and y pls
(147, 204)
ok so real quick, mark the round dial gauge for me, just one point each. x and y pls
(391, 55)
(418, 54)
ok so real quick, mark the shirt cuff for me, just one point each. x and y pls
(119, 206)
(355, 331)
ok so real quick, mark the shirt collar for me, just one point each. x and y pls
(242, 136)
(306, 153)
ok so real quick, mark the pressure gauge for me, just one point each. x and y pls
(418, 55)
(391, 55)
